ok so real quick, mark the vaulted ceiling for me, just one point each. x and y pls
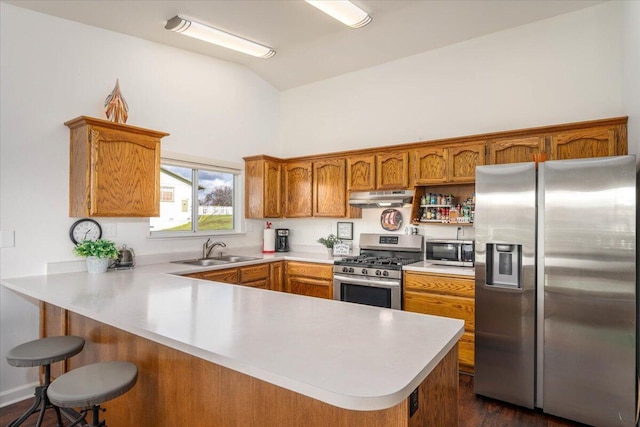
(310, 45)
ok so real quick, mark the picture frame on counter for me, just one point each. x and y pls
(345, 231)
(341, 248)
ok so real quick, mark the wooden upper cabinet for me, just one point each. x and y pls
(462, 162)
(515, 150)
(263, 188)
(430, 165)
(439, 165)
(114, 169)
(298, 186)
(361, 175)
(318, 185)
(583, 143)
(329, 188)
(392, 170)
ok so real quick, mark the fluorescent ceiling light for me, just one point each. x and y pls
(208, 34)
(344, 11)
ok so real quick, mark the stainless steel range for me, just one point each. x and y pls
(375, 276)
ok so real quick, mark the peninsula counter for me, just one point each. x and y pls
(215, 354)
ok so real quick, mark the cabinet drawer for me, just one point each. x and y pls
(319, 271)
(226, 276)
(466, 352)
(447, 285)
(310, 287)
(254, 272)
(262, 284)
(442, 305)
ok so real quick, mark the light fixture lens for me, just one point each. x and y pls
(221, 38)
(344, 11)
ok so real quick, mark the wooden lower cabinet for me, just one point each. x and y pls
(276, 276)
(263, 276)
(177, 389)
(310, 279)
(447, 296)
(229, 275)
(256, 276)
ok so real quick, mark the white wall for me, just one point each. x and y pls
(564, 69)
(53, 70)
(631, 73)
(559, 70)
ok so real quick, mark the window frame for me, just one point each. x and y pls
(196, 164)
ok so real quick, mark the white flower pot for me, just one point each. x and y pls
(97, 265)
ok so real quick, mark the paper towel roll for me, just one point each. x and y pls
(269, 240)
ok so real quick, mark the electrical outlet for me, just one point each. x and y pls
(413, 402)
(109, 230)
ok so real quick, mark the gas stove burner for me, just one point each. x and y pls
(389, 262)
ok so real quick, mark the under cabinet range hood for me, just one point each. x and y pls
(381, 199)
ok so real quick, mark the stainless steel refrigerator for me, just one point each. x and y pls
(556, 293)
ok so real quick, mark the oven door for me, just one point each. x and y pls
(368, 290)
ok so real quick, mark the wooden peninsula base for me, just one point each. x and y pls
(178, 389)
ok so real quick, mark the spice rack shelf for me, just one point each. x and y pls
(454, 193)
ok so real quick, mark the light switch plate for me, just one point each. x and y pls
(7, 238)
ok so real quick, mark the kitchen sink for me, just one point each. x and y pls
(220, 260)
(234, 258)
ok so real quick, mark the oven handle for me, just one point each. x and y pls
(375, 282)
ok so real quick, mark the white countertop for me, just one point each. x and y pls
(430, 267)
(348, 355)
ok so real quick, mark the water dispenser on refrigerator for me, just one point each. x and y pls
(504, 265)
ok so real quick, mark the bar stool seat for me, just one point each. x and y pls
(91, 385)
(43, 352)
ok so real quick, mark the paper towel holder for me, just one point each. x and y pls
(269, 240)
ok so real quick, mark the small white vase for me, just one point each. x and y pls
(97, 265)
(330, 252)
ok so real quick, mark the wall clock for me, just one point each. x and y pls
(85, 229)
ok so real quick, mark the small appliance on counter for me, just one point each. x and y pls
(459, 253)
(126, 259)
(282, 240)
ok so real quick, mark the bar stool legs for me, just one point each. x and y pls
(40, 403)
(43, 352)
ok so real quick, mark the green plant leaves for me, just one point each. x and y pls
(100, 248)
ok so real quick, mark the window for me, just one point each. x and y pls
(196, 198)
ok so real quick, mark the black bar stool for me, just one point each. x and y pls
(43, 352)
(89, 386)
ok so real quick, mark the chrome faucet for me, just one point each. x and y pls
(208, 246)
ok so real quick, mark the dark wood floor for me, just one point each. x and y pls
(474, 412)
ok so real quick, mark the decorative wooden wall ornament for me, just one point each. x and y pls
(115, 105)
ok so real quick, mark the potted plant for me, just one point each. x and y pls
(328, 242)
(98, 253)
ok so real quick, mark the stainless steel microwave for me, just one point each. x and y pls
(450, 252)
